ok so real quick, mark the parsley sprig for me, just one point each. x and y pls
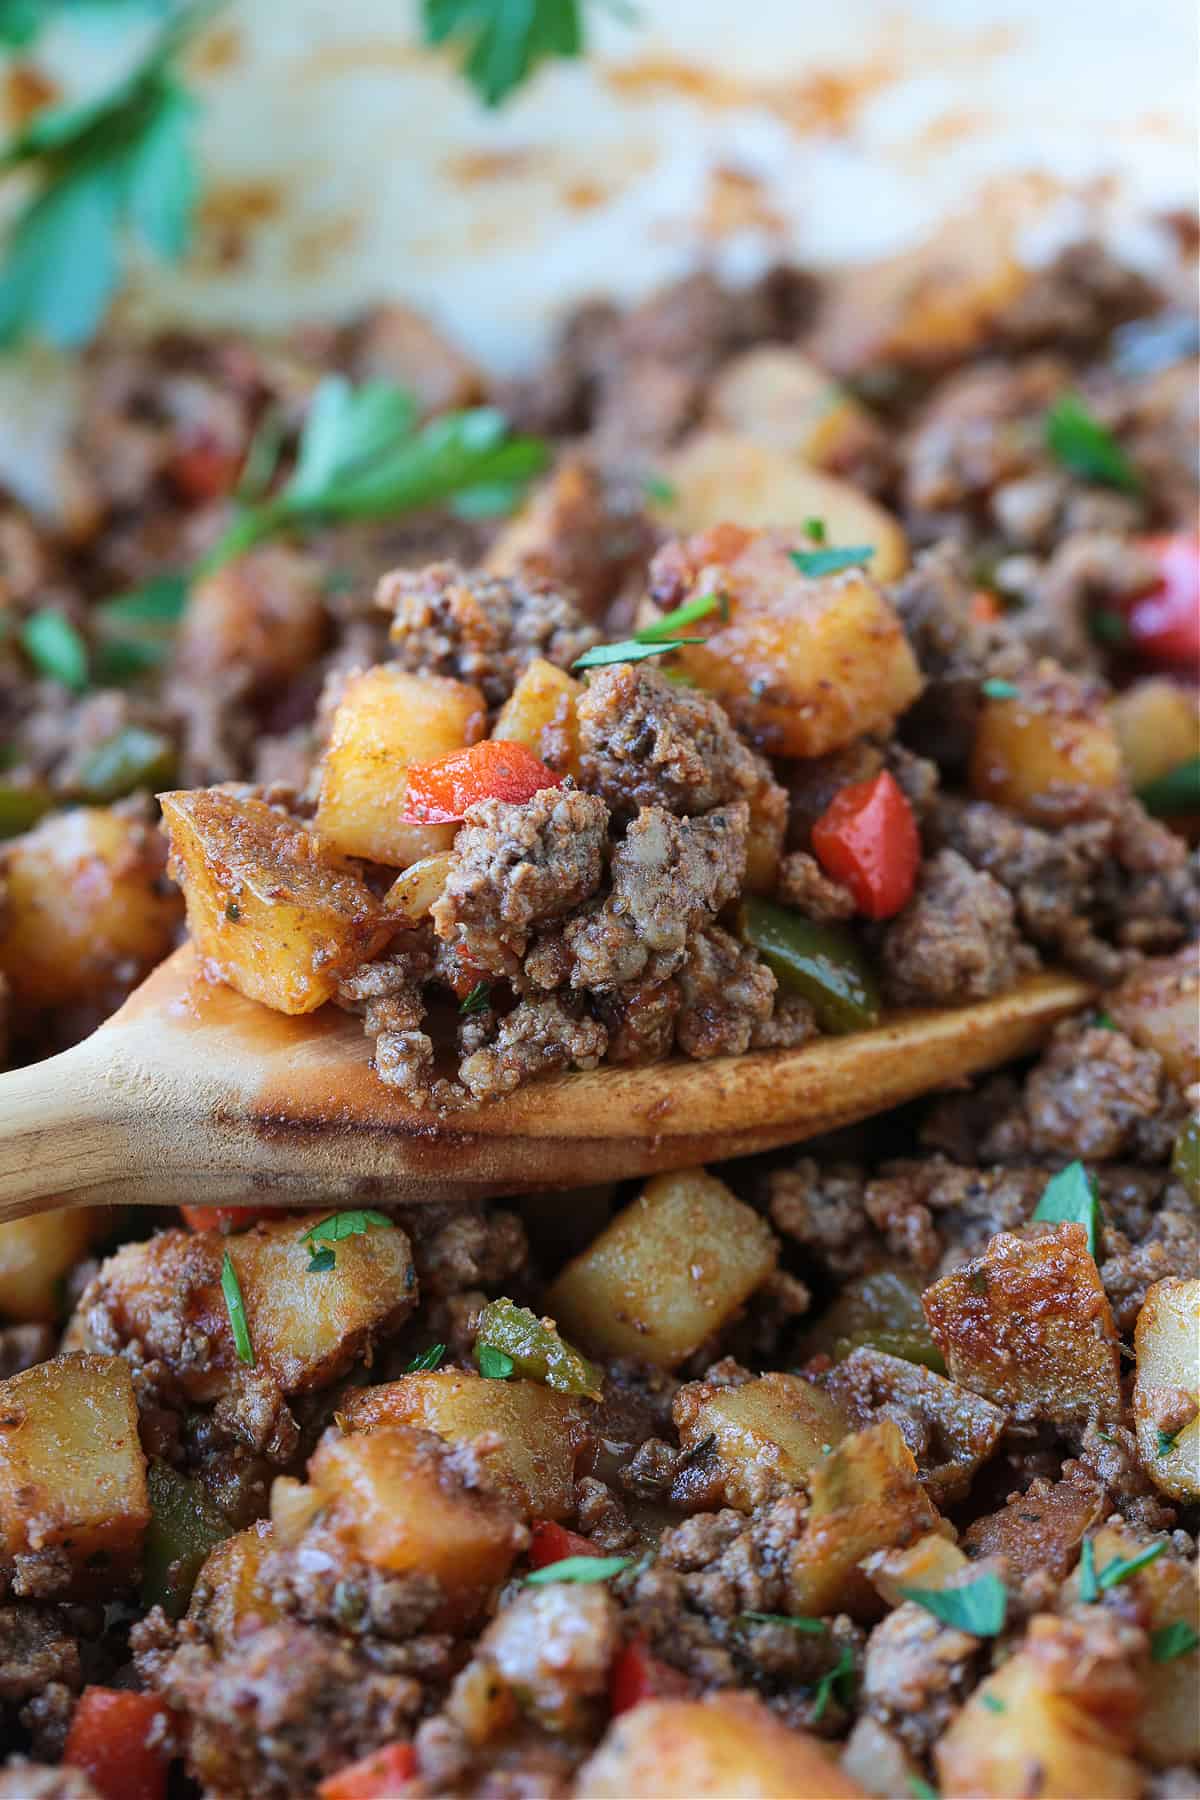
(1076, 439)
(1070, 1197)
(978, 1606)
(334, 1230)
(579, 1569)
(658, 637)
(502, 42)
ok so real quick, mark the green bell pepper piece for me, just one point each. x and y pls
(132, 758)
(184, 1527)
(1175, 793)
(22, 807)
(820, 962)
(536, 1350)
(1185, 1159)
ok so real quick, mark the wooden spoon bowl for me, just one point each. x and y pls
(191, 1093)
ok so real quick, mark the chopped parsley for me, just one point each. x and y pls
(627, 651)
(993, 1703)
(1076, 439)
(1122, 1567)
(332, 1231)
(231, 1287)
(56, 649)
(497, 1365)
(1104, 1021)
(1170, 1641)
(995, 689)
(815, 532)
(658, 488)
(321, 1261)
(836, 1683)
(500, 45)
(978, 1606)
(687, 614)
(1166, 1441)
(579, 1569)
(920, 1789)
(832, 561)
(426, 1361)
(794, 1621)
(1070, 1197)
(477, 1001)
(1178, 791)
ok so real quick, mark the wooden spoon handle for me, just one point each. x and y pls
(59, 1133)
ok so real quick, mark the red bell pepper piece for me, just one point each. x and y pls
(1164, 624)
(638, 1676)
(380, 1776)
(440, 792)
(867, 839)
(550, 1543)
(117, 1739)
(202, 470)
(220, 1218)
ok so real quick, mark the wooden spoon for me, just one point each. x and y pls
(191, 1093)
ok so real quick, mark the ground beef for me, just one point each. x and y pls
(460, 1247)
(791, 1024)
(1076, 300)
(645, 742)
(479, 628)
(640, 1019)
(949, 1430)
(516, 866)
(822, 1209)
(803, 883)
(916, 1673)
(956, 940)
(1093, 1095)
(726, 992)
(1171, 1247)
(537, 1038)
(581, 533)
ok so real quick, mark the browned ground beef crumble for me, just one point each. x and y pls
(598, 921)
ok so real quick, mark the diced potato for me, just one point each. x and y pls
(1157, 723)
(769, 1433)
(864, 1496)
(1051, 737)
(1028, 1325)
(35, 1254)
(668, 1272)
(543, 1432)
(1039, 1530)
(72, 1472)
(230, 1589)
(88, 912)
(877, 1759)
(1158, 1005)
(961, 1429)
(803, 664)
(262, 614)
(540, 713)
(728, 1747)
(933, 1561)
(778, 397)
(386, 721)
(272, 912)
(1166, 1389)
(392, 1497)
(305, 1329)
(719, 475)
(1044, 1710)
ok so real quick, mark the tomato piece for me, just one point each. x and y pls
(110, 1740)
(550, 1543)
(440, 792)
(380, 1776)
(202, 470)
(638, 1676)
(1164, 624)
(220, 1218)
(867, 839)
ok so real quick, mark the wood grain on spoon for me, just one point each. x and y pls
(193, 1094)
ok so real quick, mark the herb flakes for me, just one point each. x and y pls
(426, 1361)
(231, 1287)
(832, 561)
(1070, 1198)
(837, 1683)
(794, 1621)
(978, 1606)
(579, 1569)
(1170, 1641)
(495, 1364)
(1076, 439)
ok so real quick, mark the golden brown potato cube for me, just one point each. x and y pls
(668, 1272)
(88, 910)
(231, 1588)
(864, 1496)
(1028, 1325)
(1166, 1389)
(778, 397)
(1049, 1721)
(269, 907)
(262, 614)
(35, 1254)
(728, 1747)
(386, 721)
(1157, 723)
(768, 1434)
(393, 1497)
(932, 1562)
(540, 713)
(1159, 1005)
(1051, 739)
(803, 664)
(719, 475)
(72, 1473)
(543, 1432)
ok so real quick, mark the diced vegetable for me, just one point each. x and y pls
(879, 1311)
(1028, 1325)
(868, 839)
(441, 792)
(1185, 1159)
(542, 1433)
(540, 714)
(803, 664)
(822, 963)
(1166, 1390)
(269, 907)
(1158, 1004)
(930, 1563)
(1157, 723)
(72, 1472)
(708, 1750)
(388, 720)
(35, 1255)
(777, 397)
(383, 1775)
(1052, 736)
(133, 758)
(118, 1739)
(767, 1435)
(536, 1349)
(550, 1543)
(668, 1272)
(1165, 624)
(1038, 1531)
(22, 804)
(232, 1586)
(220, 1218)
(263, 614)
(184, 1527)
(637, 1676)
(88, 912)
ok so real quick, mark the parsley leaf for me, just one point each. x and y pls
(978, 1606)
(837, 1683)
(796, 1621)
(427, 1360)
(1170, 1641)
(687, 614)
(1076, 439)
(1070, 1196)
(55, 648)
(993, 1703)
(345, 1225)
(497, 1365)
(920, 1789)
(1122, 1567)
(320, 1261)
(1166, 1442)
(815, 532)
(477, 1001)
(1089, 1591)
(1178, 791)
(657, 487)
(579, 1569)
(996, 689)
(231, 1287)
(502, 42)
(1104, 1021)
(628, 651)
(832, 561)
